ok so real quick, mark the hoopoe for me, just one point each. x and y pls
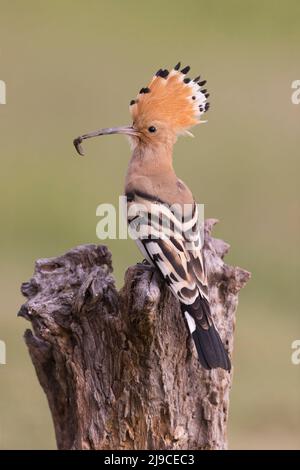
(161, 208)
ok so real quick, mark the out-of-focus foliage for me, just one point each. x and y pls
(73, 66)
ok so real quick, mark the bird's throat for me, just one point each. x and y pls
(151, 160)
(150, 169)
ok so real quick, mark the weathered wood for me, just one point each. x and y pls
(119, 368)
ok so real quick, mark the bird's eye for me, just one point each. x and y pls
(152, 129)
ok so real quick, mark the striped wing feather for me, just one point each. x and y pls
(176, 253)
(174, 246)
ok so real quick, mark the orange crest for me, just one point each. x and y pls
(172, 98)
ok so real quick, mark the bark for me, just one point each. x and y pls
(119, 368)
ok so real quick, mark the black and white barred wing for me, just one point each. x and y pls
(173, 243)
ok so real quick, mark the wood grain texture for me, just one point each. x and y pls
(118, 368)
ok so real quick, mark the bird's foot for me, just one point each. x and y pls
(145, 265)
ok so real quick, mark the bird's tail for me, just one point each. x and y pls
(210, 349)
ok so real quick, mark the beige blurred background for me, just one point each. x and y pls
(73, 66)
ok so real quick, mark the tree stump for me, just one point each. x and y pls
(119, 369)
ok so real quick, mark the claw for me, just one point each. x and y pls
(145, 265)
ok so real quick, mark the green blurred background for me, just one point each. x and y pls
(73, 66)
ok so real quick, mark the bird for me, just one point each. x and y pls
(161, 209)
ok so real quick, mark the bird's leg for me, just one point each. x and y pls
(145, 265)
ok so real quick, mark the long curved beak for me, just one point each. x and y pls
(107, 131)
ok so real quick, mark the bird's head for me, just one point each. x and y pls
(169, 106)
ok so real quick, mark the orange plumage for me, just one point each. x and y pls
(173, 99)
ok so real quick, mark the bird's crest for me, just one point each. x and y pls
(173, 98)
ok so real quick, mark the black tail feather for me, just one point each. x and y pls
(207, 340)
(210, 348)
